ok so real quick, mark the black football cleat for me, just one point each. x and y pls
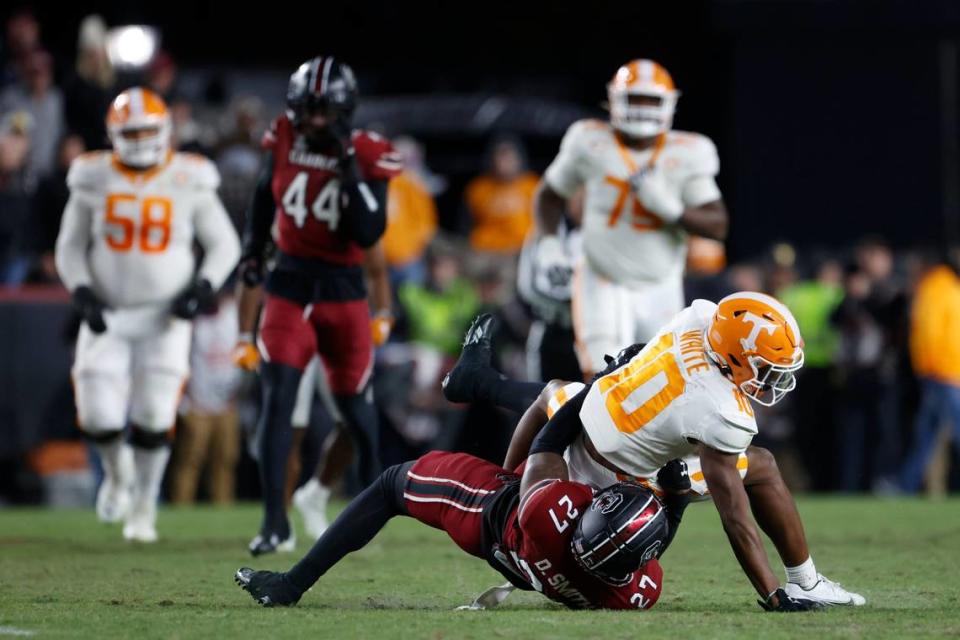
(269, 588)
(267, 542)
(473, 366)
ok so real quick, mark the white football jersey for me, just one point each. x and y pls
(129, 235)
(645, 413)
(622, 240)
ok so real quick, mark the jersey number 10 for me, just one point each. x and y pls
(645, 387)
(325, 207)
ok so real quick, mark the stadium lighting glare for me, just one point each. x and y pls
(132, 46)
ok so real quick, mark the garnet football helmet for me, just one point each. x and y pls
(625, 526)
(321, 83)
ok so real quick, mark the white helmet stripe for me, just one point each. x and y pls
(645, 71)
(137, 108)
(326, 74)
(777, 306)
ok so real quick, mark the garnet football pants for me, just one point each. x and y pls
(291, 333)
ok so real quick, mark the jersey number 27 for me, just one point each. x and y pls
(325, 207)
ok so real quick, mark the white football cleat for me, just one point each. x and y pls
(113, 500)
(311, 501)
(141, 524)
(826, 592)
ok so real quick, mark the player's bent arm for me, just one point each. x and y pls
(709, 220)
(541, 467)
(730, 497)
(215, 233)
(378, 279)
(73, 241)
(546, 450)
(530, 424)
(256, 233)
(250, 299)
(548, 208)
(364, 206)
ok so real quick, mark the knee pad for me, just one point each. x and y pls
(154, 399)
(148, 439)
(103, 437)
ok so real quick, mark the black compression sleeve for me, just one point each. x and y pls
(256, 233)
(563, 428)
(364, 206)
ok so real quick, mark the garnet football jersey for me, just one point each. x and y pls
(306, 189)
(537, 537)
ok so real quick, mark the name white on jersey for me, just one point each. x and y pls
(621, 239)
(648, 412)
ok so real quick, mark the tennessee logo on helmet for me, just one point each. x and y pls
(757, 342)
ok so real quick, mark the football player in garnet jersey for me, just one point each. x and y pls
(541, 532)
(675, 415)
(323, 190)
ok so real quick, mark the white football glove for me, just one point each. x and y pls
(552, 269)
(651, 188)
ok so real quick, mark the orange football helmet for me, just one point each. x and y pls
(642, 99)
(139, 126)
(756, 341)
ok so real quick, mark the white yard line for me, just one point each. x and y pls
(13, 631)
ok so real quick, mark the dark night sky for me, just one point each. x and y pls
(826, 112)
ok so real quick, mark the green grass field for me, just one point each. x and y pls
(62, 574)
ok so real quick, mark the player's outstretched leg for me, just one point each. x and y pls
(280, 383)
(776, 513)
(151, 451)
(474, 379)
(356, 526)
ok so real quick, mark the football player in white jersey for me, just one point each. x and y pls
(126, 252)
(684, 396)
(646, 187)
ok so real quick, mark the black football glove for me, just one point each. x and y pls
(198, 298)
(674, 477)
(786, 604)
(342, 132)
(251, 270)
(90, 308)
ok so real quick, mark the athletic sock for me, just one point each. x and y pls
(804, 574)
(150, 465)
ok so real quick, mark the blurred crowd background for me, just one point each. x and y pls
(862, 258)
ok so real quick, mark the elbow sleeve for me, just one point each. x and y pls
(364, 207)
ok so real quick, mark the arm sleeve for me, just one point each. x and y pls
(364, 207)
(563, 427)
(73, 242)
(216, 235)
(256, 232)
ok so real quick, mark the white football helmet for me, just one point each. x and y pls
(140, 127)
(642, 99)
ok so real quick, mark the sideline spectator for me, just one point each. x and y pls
(37, 95)
(500, 201)
(411, 218)
(90, 87)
